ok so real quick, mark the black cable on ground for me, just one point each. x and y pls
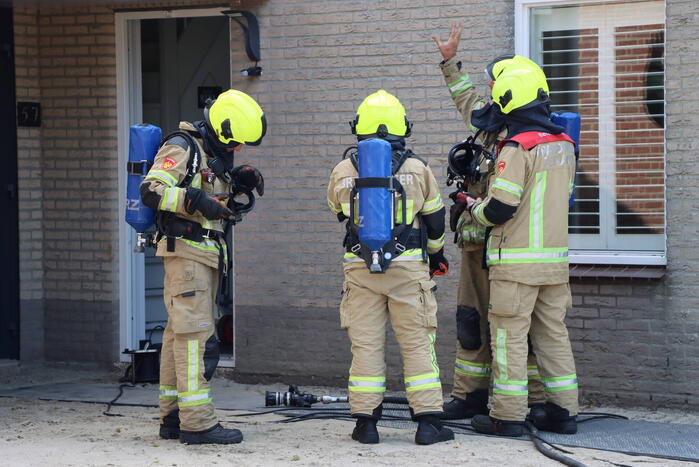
(121, 392)
(599, 416)
(128, 373)
(534, 436)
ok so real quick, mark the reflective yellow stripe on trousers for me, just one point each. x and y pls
(367, 384)
(479, 370)
(193, 395)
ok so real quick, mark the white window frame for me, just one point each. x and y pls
(131, 266)
(523, 10)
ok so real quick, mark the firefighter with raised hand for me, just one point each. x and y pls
(472, 368)
(191, 186)
(393, 283)
(526, 210)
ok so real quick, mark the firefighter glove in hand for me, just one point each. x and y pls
(248, 178)
(211, 208)
(460, 198)
(439, 265)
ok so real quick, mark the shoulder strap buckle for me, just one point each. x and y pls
(139, 168)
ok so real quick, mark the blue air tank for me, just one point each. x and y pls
(571, 122)
(144, 141)
(375, 204)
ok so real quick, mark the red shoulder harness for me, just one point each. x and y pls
(529, 139)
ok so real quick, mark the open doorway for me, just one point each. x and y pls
(174, 61)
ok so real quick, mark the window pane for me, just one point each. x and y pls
(640, 108)
(570, 63)
(606, 62)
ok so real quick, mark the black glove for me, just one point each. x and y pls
(211, 208)
(455, 212)
(456, 209)
(439, 265)
(248, 178)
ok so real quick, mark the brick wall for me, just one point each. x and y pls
(29, 188)
(681, 306)
(631, 347)
(70, 181)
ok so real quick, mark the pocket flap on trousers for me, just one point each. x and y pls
(428, 285)
(181, 288)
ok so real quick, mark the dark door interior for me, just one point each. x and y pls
(9, 234)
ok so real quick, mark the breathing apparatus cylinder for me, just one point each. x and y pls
(375, 204)
(144, 141)
(571, 122)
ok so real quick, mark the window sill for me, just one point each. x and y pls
(606, 271)
(617, 258)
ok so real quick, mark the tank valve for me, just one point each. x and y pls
(375, 266)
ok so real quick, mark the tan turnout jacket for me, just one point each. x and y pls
(532, 246)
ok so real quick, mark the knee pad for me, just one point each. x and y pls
(211, 357)
(468, 327)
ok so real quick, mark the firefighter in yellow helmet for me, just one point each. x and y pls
(191, 185)
(526, 210)
(472, 368)
(401, 289)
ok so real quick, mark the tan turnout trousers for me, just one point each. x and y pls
(405, 295)
(189, 288)
(472, 369)
(519, 309)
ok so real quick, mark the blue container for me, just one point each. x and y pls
(144, 141)
(571, 122)
(375, 204)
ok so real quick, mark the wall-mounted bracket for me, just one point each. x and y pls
(251, 30)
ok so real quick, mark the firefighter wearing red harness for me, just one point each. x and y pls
(473, 363)
(526, 213)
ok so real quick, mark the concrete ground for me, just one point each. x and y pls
(34, 432)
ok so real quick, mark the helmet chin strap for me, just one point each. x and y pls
(210, 143)
(222, 160)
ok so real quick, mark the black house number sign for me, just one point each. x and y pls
(28, 114)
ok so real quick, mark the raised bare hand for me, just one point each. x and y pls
(449, 47)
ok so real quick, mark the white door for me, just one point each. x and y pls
(169, 62)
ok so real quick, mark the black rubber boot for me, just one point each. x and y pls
(536, 413)
(551, 417)
(492, 426)
(365, 430)
(430, 430)
(476, 402)
(170, 428)
(214, 435)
